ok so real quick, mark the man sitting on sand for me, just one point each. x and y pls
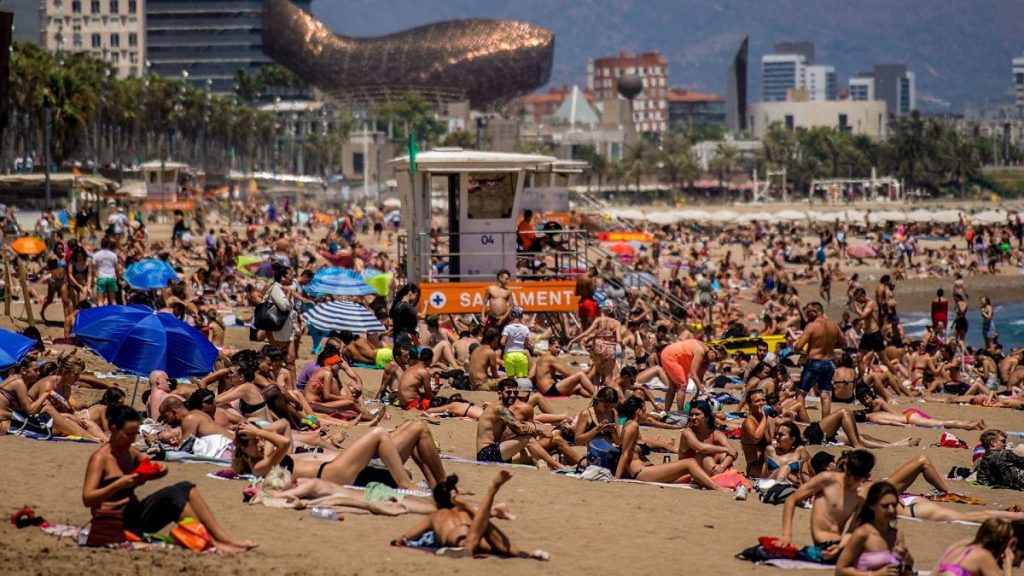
(836, 498)
(491, 443)
(161, 388)
(554, 379)
(1000, 467)
(414, 388)
(484, 362)
(196, 430)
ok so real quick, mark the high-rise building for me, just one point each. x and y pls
(111, 30)
(805, 49)
(210, 40)
(650, 108)
(781, 73)
(27, 19)
(895, 84)
(820, 82)
(688, 109)
(862, 87)
(736, 97)
(1018, 83)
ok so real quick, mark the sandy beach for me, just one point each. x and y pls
(588, 527)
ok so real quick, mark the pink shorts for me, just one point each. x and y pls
(677, 359)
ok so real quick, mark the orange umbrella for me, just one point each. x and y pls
(28, 246)
(622, 249)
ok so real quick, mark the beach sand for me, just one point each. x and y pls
(589, 527)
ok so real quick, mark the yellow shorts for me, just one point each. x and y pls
(384, 357)
(517, 364)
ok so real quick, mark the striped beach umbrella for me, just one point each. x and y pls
(331, 316)
(338, 282)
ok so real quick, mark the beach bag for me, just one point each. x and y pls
(267, 315)
(603, 453)
(40, 425)
(107, 527)
(191, 534)
(777, 494)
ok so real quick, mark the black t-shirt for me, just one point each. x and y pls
(405, 319)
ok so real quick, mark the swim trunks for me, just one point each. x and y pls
(872, 342)
(490, 453)
(417, 404)
(106, 286)
(384, 357)
(517, 365)
(815, 436)
(817, 374)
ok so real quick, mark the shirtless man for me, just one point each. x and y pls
(484, 361)
(836, 498)
(491, 442)
(440, 342)
(872, 341)
(159, 390)
(463, 344)
(393, 371)
(1011, 370)
(414, 390)
(359, 349)
(821, 337)
(498, 301)
(554, 379)
(193, 423)
(546, 445)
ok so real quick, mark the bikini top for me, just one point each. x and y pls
(877, 560)
(249, 409)
(955, 569)
(794, 467)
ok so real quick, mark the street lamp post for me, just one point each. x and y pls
(47, 134)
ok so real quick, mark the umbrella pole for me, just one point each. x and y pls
(7, 285)
(26, 293)
(135, 391)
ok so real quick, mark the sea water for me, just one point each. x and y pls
(1008, 318)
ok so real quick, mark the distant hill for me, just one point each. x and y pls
(960, 50)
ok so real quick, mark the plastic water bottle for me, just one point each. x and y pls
(741, 492)
(322, 513)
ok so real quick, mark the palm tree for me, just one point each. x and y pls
(724, 163)
(639, 157)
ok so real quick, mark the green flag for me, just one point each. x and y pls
(412, 153)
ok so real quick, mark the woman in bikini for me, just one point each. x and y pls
(600, 420)
(458, 523)
(94, 417)
(323, 394)
(258, 450)
(878, 411)
(845, 379)
(80, 276)
(14, 394)
(788, 460)
(756, 435)
(633, 462)
(700, 440)
(602, 338)
(997, 548)
(59, 389)
(876, 545)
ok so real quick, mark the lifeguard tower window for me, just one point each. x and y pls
(490, 196)
(152, 177)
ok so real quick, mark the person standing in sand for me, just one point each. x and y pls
(498, 302)
(821, 337)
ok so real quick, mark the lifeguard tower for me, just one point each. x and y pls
(477, 199)
(480, 198)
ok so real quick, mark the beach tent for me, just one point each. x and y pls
(662, 218)
(627, 213)
(947, 216)
(920, 215)
(989, 217)
(790, 215)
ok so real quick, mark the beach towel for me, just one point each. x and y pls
(366, 366)
(189, 458)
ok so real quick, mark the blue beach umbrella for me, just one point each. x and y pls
(338, 282)
(13, 347)
(138, 339)
(150, 274)
(356, 318)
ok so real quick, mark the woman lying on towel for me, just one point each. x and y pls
(260, 450)
(458, 523)
(114, 472)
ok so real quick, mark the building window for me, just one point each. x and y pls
(96, 42)
(844, 123)
(77, 40)
(1019, 77)
(133, 39)
(115, 7)
(114, 57)
(133, 57)
(58, 5)
(76, 6)
(115, 40)
(789, 121)
(94, 6)
(133, 6)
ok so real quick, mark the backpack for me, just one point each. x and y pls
(603, 453)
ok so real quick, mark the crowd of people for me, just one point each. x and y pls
(647, 355)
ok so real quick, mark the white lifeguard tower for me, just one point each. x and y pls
(481, 194)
